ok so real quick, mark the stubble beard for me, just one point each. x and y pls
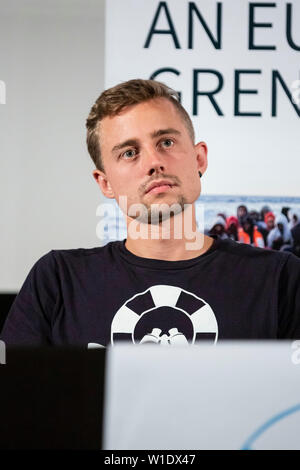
(156, 213)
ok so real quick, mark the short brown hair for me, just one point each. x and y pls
(113, 100)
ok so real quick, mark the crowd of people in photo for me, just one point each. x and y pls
(262, 229)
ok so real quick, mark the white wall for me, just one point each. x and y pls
(51, 60)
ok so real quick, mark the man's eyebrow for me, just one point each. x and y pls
(161, 132)
(126, 143)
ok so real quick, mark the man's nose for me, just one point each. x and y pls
(153, 161)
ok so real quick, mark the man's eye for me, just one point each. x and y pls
(167, 143)
(129, 153)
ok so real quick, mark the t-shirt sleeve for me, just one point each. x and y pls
(289, 299)
(30, 319)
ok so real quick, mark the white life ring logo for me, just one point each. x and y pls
(164, 315)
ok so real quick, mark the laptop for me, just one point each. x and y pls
(52, 398)
(232, 395)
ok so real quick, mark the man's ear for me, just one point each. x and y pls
(103, 183)
(201, 155)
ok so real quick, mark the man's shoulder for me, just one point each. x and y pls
(243, 250)
(56, 256)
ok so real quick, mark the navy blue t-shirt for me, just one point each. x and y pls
(107, 294)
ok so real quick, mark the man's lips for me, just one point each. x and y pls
(160, 189)
(160, 186)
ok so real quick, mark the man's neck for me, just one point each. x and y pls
(174, 239)
(170, 250)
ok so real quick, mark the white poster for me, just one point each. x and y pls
(236, 66)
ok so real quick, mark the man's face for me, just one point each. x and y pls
(146, 143)
(270, 223)
(241, 212)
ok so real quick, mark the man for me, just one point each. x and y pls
(232, 225)
(266, 225)
(218, 228)
(249, 233)
(295, 231)
(280, 236)
(166, 283)
(269, 221)
(241, 212)
(294, 225)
